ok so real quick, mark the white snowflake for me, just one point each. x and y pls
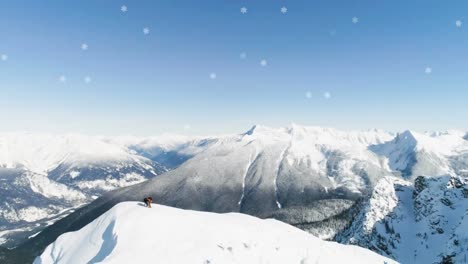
(458, 23)
(62, 78)
(428, 70)
(243, 55)
(284, 10)
(146, 30)
(327, 95)
(84, 46)
(123, 8)
(87, 79)
(355, 20)
(308, 94)
(4, 57)
(212, 76)
(264, 63)
(243, 10)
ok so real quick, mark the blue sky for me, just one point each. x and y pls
(374, 70)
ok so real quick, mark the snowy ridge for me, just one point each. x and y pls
(182, 236)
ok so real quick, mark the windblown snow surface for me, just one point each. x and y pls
(132, 233)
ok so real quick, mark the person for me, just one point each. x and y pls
(148, 201)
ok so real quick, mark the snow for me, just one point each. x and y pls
(32, 213)
(111, 183)
(41, 153)
(414, 223)
(132, 233)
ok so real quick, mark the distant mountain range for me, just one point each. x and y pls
(373, 188)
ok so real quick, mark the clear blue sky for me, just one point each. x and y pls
(374, 70)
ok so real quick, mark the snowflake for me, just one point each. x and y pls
(243, 10)
(146, 30)
(123, 8)
(243, 55)
(355, 20)
(212, 76)
(62, 78)
(428, 70)
(87, 79)
(264, 62)
(326, 95)
(84, 46)
(308, 94)
(284, 10)
(458, 23)
(4, 57)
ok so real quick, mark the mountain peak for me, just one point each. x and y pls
(407, 137)
(256, 129)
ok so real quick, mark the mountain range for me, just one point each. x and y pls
(403, 195)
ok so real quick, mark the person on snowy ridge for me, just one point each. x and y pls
(148, 201)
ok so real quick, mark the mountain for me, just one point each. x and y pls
(45, 177)
(321, 180)
(415, 223)
(131, 233)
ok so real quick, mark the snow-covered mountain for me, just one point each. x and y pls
(422, 222)
(131, 233)
(318, 179)
(44, 177)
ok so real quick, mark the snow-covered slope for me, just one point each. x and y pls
(131, 233)
(420, 223)
(43, 176)
(413, 154)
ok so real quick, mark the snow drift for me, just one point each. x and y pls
(131, 233)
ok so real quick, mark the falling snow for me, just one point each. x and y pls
(243, 55)
(146, 30)
(355, 20)
(264, 63)
(123, 8)
(4, 57)
(62, 78)
(284, 10)
(212, 75)
(308, 94)
(326, 95)
(428, 70)
(84, 46)
(243, 10)
(87, 79)
(458, 23)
